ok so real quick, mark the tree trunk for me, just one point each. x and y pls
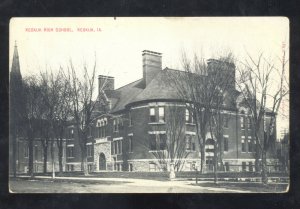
(45, 153)
(172, 171)
(30, 160)
(60, 156)
(52, 159)
(85, 165)
(14, 156)
(202, 169)
(264, 176)
(257, 157)
(216, 164)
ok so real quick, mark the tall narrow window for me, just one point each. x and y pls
(227, 166)
(152, 140)
(225, 121)
(130, 118)
(89, 150)
(26, 150)
(187, 115)
(162, 141)
(190, 143)
(249, 123)
(161, 114)
(242, 122)
(243, 146)
(250, 166)
(116, 125)
(129, 143)
(225, 144)
(70, 152)
(152, 114)
(71, 133)
(36, 152)
(244, 166)
(250, 147)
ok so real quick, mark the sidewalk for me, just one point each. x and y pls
(140, 183)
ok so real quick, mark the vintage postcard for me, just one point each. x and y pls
(149, 105)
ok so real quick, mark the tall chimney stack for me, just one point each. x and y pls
(152, 65)
(106, 83)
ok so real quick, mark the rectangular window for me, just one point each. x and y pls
(152, 139)
(225, 121)
(120, 146)
(129, 143)
(130, 167)
(188, 116)
(225, 144)
(242, 122)
(250, 166)
(250, 146)
(89, 150)
(162, 141)
(243, 146)
(71, 133)
(70, 167)
(152, 167)
(36, 152)
(70, 151)
(112, 148)
(244, 166)
(190, 143)
(249, 123)
(130, 119)
(26, 150)
(161, 114)
(226, 166)
(90, 168)
(152, 114)
(120, 124)
(116, 125)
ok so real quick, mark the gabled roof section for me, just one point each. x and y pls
(125, 95)
(158, 88)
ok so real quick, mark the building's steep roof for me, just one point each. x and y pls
(159, 88)
(126, 94)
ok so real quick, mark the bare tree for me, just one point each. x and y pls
(199, 87)
(63, 113)
(50, 87)
(33, 104)
(263, 85)
(83, 106)
(171, 148)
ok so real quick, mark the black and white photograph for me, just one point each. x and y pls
(149, 105)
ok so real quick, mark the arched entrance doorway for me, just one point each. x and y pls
(102, 162)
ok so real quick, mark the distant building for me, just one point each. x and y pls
(131, 126)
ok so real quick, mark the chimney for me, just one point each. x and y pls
(222, 68)
(106, 83)
(151, 65)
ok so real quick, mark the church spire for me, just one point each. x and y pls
(15, 67)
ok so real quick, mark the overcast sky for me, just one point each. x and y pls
(118, 43)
